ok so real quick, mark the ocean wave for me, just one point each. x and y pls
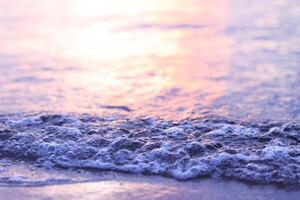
(186, 149)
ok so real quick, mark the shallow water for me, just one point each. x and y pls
(209, 88)
(148, 188)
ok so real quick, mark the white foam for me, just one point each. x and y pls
(182, 151)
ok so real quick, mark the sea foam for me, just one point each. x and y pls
(260, 153)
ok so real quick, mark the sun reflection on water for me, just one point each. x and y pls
(127, 52)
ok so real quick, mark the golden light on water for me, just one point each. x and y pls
(100, 30)
(121, 52)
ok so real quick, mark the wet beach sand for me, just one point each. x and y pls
(146, 188)
(17, 183)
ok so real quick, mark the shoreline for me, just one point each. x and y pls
(150, 187)
(21, 180)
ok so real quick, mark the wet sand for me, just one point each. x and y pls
(20, 180)
(144, 187)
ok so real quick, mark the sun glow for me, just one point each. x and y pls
(122, 51)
